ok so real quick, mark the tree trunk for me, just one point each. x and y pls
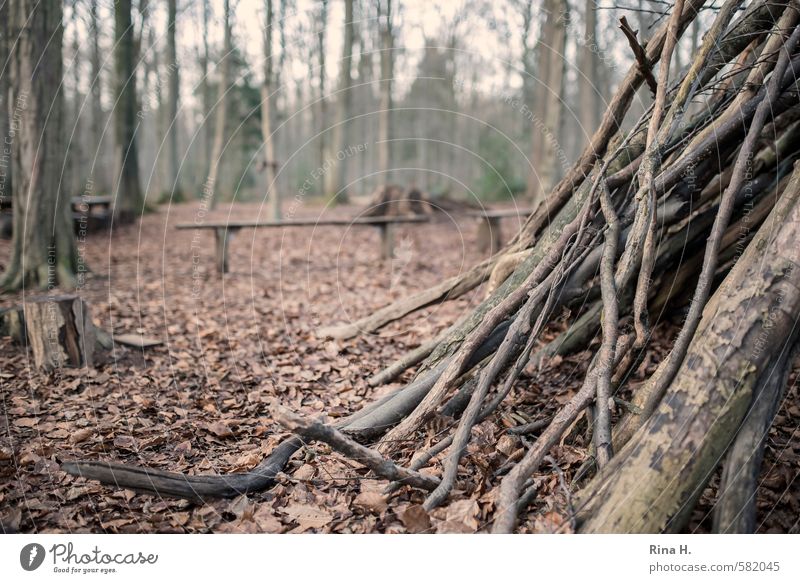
(748, 326)
(324, 140)
(337, 177)
(171, 131)
(270, 164)
(204, 88)
(548, 101)
(209, 189)
(386, 82)
(5, 149)
(589, 84)
(97, 116)
(44, 254)
(128, 200)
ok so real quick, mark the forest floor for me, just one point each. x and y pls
(198, 402)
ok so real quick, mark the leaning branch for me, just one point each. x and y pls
(317, 431)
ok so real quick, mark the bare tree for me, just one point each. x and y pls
(324, 141)
(43, 252)
(337, 177)
(547, 100)
(270, 164)
(222, 109)
(386, 82)
(96, 91)
(588, 80)
(128, 200)
(171, 131)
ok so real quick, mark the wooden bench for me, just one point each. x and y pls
(223, 231)
(490, 235)
(91, 213)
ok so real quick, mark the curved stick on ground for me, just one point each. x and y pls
(317, 431)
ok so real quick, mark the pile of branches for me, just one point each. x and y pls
(696, 207)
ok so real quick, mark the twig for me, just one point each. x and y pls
(564, 488)
(317, 431)
(531, 427)
(639, 53)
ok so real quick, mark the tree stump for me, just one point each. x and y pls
(59, 332)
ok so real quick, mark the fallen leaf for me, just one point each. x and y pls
(219, 429)
(81, 435)
(464, 512)
(371, 501)
(415, 519)
(307, 516)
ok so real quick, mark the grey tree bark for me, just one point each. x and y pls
(220, 123)
(337, 177)
(43, 252)
(128, 199)
(171, 121)
(386, 83)
(270, 164)
(548, 101)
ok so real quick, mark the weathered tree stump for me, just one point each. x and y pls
(58, 330)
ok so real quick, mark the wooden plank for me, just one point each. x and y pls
(500, 213)
(367, 221)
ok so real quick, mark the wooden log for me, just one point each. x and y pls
(59, 332)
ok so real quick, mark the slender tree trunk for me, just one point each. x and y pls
(5, 149)
(387, 75)
(270, 164)
(337, 177)
(324, 141)
(589, 85)
(528, 61)
(73, 130)
(204, 88)
(173, 180)
(209, 189)
(128, 200)
(43, 254)
(96, 88)
(548, 101)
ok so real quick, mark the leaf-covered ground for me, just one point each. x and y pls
(197, 403)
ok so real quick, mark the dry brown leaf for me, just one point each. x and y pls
(415, 519)
(371, 501)
(464, 512)
(307, 516)
(81, 435)
(219, 429)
